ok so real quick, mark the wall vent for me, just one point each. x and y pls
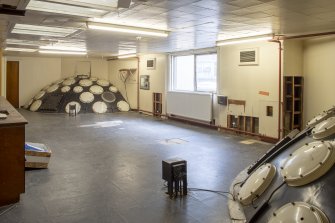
(249, 57)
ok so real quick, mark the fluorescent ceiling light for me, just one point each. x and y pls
(127, 29)
(25, 42)
(20, 49)
(96, 4)
(42, 30)
(69, 9)
(127, 56)
(66, 48)
(62, 52)
(243, 40)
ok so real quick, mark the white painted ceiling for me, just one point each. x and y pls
(193, 24)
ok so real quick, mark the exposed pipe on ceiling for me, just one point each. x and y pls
(305, 35)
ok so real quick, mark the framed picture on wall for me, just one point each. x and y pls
(151, 64)
(144, 82)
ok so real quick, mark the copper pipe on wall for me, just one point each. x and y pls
(277, 40)
(138, 83)
(279, 86)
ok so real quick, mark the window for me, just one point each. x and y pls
(194, 73)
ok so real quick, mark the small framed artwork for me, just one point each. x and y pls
(144, 82)
(151, 64)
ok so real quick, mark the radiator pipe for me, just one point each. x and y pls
(138, 83)
(279, 85)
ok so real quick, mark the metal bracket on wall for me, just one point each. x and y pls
(236, 102)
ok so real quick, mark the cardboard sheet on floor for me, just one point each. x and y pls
(37, 155)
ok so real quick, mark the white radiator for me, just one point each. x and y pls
(190, 105)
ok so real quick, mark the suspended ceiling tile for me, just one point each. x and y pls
(208, 4)
(193, 22)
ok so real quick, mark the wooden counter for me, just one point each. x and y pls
(12, 139)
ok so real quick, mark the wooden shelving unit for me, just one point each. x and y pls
(157, 104)
(293, 103)
(243, 123)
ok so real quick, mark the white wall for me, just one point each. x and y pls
(158, 80)
(245, 82)
(319, 76)
(73, 66)
(132, 83)
(35, 74)
(293, 57)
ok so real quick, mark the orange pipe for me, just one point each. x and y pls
(138, 83)
(306, 35)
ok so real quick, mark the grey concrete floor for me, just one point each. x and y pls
(107, 168)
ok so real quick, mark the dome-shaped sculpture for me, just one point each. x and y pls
(88, 94)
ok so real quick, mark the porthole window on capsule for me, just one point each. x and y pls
(256, 184)
(298, 212)
(324, 129)
(308, 163)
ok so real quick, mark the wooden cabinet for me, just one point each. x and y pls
(12, 139)
(157, 104)
(293, 103)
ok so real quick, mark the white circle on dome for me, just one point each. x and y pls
(86, 97)
(298, 212)
(85, 82)
(36, 105)
(65, 89)
(257, 183)
(123, 106)
(99, 107)
(26, 106)
(113, 89)
(93, 78)
(308, 163)
(39, 95)
(103, 83)
(78, 89)
(108, 97)
(69, 82)
(67, 107)
(58, 82)
(324, 129)
(52, 88)
(95, 89)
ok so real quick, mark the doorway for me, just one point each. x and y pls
(12, 83)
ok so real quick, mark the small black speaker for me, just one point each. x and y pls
(174, 172)
(222, 100)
